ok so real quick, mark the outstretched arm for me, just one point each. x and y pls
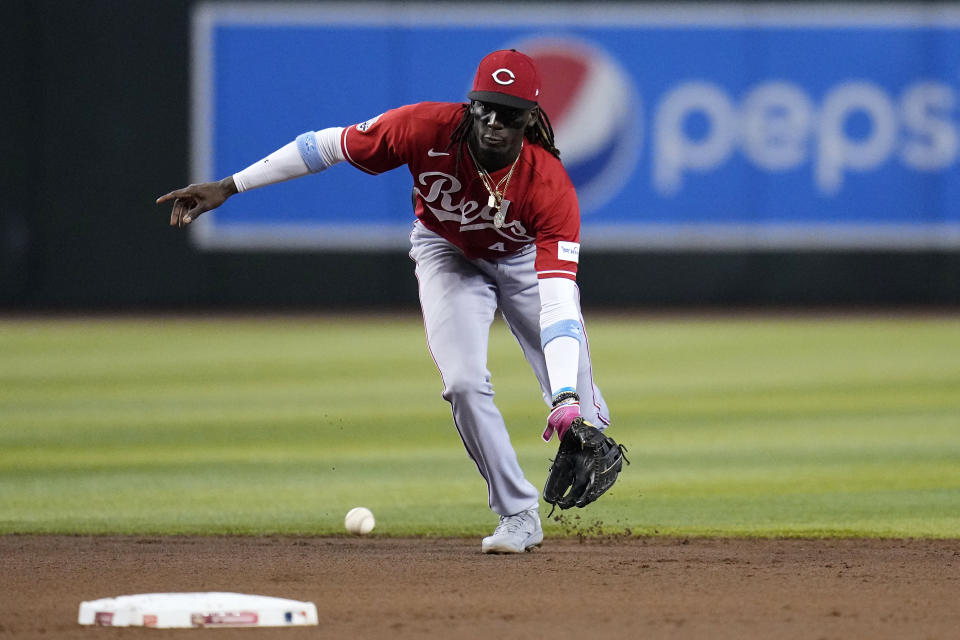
(311, 152)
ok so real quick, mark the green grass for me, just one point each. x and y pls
(845, 426)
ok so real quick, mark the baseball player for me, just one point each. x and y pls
(497, 227)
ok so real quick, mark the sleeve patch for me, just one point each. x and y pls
(363, 127)
(569, 251)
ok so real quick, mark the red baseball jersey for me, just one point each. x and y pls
(540, 201)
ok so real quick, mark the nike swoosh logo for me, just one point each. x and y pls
(434, 154)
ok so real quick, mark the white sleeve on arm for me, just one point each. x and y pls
(311, 152)
(560, 332)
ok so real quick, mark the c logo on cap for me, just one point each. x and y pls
(510, 77)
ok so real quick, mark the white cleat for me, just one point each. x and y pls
(515, 534)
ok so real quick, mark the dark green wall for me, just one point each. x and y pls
(95, 126)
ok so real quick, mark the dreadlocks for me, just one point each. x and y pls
(540, 132)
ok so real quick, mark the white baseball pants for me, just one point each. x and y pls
(459, 299)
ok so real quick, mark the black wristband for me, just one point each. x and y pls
(563, 396)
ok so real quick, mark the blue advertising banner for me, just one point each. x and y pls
(726, 126)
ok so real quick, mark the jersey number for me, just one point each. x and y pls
(498, 246)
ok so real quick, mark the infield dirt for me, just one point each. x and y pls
(374, 587)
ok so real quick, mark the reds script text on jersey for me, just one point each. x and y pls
(540, 202)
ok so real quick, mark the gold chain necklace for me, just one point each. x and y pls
(495, 201)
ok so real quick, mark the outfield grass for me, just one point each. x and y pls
(736, 426)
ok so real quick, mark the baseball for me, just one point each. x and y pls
(359, 521)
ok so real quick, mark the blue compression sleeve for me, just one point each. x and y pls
(570, 328)
(307, 146)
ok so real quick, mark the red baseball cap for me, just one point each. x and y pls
(507, 77)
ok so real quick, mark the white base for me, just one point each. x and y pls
(186, 610)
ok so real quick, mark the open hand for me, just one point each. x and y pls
(192, 201)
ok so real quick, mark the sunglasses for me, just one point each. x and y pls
(507, 116)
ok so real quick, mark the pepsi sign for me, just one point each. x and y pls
(727, 126)
(594, 108)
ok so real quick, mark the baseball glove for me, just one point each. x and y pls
(587, 464)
